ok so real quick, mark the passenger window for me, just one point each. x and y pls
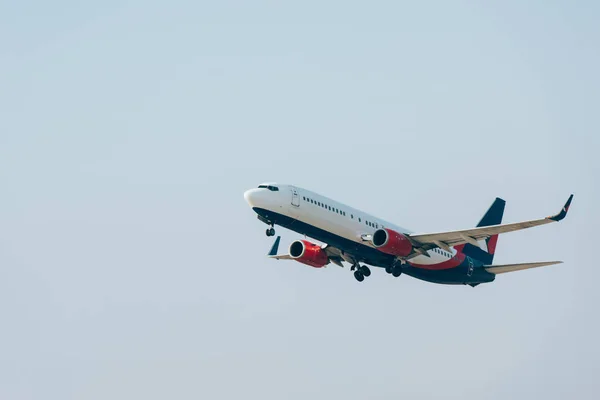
(359, 219)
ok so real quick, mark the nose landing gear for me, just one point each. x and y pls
(270, 231)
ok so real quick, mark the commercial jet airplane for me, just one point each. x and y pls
(462, 257)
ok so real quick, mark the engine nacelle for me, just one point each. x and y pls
(391, 242)
(308, 253)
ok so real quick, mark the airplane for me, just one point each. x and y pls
(461, 257)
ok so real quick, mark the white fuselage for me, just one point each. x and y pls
(329, 215)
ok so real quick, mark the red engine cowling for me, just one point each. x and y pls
(308, 253)
(392, 242)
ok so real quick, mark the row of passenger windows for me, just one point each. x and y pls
(338, 211)
(325, 206)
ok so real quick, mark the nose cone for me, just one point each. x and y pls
(251, 197)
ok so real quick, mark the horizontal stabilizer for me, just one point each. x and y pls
(500, 269)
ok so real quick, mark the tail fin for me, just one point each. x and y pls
(485, 253)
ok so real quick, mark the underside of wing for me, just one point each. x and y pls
(281, 257)
(501, 269)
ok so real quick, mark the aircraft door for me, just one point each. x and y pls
(295, 197)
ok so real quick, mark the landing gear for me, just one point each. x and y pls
(270, 231)
(359, 276)
(361, 272)
(395, 269)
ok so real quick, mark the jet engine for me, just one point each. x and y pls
(391, 242)
(308, 253)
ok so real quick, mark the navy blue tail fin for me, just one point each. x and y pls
(493, 216)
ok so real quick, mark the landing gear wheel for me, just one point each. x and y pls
(270, 232)
(397, 271)
(389, 269)
(365, 270)
(359, 276)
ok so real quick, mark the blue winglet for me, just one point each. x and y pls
(563, 213)
(275, 247)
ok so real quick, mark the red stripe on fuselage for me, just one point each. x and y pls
(451, 263)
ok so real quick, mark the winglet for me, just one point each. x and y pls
(275, 247)
(563, 213)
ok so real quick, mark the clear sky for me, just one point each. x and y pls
(131, 267)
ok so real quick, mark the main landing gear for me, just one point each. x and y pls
(395, 270)
(361, 271)
(270, 231)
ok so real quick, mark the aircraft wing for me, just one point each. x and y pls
(501, 269)
(455, 238)
(275, 248)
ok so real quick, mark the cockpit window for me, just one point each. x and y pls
(271, 188)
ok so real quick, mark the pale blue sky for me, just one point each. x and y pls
(131, 267)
